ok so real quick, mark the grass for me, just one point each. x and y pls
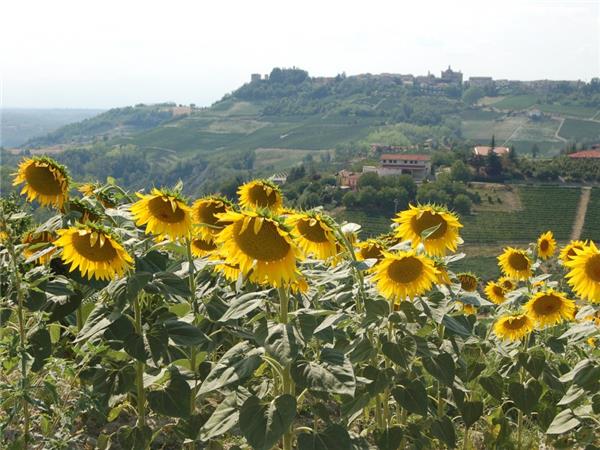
(580, 129)
(482, 130)
(479, 114)
(516, 102)
(591, 227)
(568, 110)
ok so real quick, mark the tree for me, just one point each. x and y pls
(459, 171)
(472, 95)
(369, 179)
(535, 150)
(462, 204)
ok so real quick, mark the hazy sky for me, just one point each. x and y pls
(109, 53)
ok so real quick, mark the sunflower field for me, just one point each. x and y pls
(146, 320)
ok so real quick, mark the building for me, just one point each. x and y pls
(279, 178)
(450, 76)
(380, 148)
(417, 166)
(483, 150)
(254, 77)
(481, 82)
(348, 179)
(586, 154)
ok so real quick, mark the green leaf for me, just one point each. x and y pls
(412, 396)
(534, 361)
(564, 422)
(574, 393)
(458, 325)
(134, 438)
(389, 439)
(183, 333)
(362, 350)
(242, 305)
(237, 364)
(169, 285)
(283, 342)
(334, 437)
(471, 411)
(174, 400)
(443, 429)
(134, 346)
(525, 397)
(441, 367)
(224, 417)
(493, 385)
(333, 374)
(40, 347)
(264, 424)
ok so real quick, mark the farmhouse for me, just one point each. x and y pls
(586, 154)
(418, 166)
(483, 150)
(348, 179)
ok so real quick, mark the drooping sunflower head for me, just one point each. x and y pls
(403, 275)
(260, 245)
(370, 249)
(44, 180)
(568, 252)
(495, 292)
(468, 281)
(164, 213)
(85, 212)
(34, 244)
(550, 307)
(546, 245)
(515, 263)
(94, 251)
(205, 213)
(314, 234)
(432, 225)
(507, 284)
(202, 245)
(443, 275)
(259, 194)
(584, 274)
(513, 327)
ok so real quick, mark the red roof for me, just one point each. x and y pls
(405, 157)
(586, 154)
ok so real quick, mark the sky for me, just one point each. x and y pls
(103, 54)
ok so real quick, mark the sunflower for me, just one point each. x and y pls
(546, 245)
(202, 246)
(507, 284)
(3, 237)
(568, 252)
(260, 194)
(370, 249)
(94, 251)
(550, 307)
(513, 327)
(592, 342)
(45, 180)
(468, 309)
(404, 274)
(94, 190)
(314, 234)
(443, 276)
(36, 239)
(515, 263)
(468, 281)
(204, 215)
(414, 221)
(495, 292)
(584, 275)
(259, 245)
(164, 213)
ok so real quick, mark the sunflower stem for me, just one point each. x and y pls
(194, 305)
(139, 367)
(288, 386)
(79, 317)
(17, 284)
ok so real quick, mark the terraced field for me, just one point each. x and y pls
(580, 129)
(542, 208)
(591, 228)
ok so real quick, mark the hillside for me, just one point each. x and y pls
(17, 125)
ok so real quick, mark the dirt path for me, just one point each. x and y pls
(580, 214)
(562, 121)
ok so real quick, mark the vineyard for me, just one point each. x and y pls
(146, 320)
(591, 228)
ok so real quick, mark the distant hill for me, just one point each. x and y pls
(18, 125)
